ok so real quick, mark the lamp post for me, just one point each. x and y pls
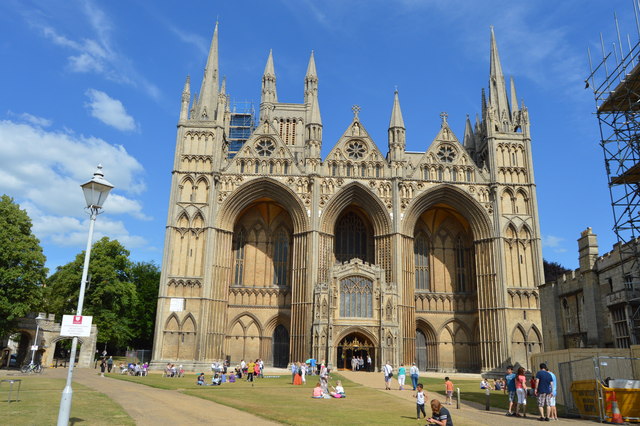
(95, 193)
(35, 345)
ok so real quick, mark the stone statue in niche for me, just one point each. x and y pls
(355, 130)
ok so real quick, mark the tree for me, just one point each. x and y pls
(22, 270)
(553, 270)
(110, 296)
(146, 277)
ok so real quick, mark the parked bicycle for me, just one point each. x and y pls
(32, 368)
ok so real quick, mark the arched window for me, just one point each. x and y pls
(334, 169)
(281, 258)
(351, 239)
(363, 170)
(421, 254)
(461, 278)
(239, 242)
(356, 297)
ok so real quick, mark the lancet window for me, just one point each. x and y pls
(421, 254)
(351, 239)
(356, 297)
(239, 242)
(281, 259)
(461, 277)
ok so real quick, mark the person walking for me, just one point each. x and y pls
(544, 390)
(369, 363)
(448, 387)
(402, 373)
(415, 374)
(510, 388)
(294, 371)
(420, 399)
(521, 392)
(554, 393)
(103, 365)
(388, 374)
(109, 364)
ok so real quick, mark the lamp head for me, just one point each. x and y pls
(96, 190)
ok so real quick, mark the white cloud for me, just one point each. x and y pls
(95, 52)
(30, 118)
(554, 242)
(190, 38)
(108, 110)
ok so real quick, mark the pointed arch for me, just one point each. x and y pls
(188, 324)
(183, 220)
(172, 323)
(521, 202)
(264, 187)
(201, 191)
(186, 190)
(356, 194)
(506, 201)
(198, 220)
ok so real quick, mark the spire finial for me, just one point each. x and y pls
(356, 111)
(443, 116)
(396, 112)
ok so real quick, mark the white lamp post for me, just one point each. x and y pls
(95, 193)
(35, 345)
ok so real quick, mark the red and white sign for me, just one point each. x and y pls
(76, 326)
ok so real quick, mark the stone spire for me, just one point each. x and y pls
(497, 86)
(310, 81)
(469, 141)
(396, 113)
(269, 94)
(208, 100)
(397, 132)
(186, 98)
(222, 102)
(514, 99)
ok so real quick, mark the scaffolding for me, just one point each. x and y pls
(615, 82)
(241, 125)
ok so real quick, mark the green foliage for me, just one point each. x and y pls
(22, 270)
(553, 270)
(121, 295)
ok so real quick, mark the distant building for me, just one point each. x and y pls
(274, 252)
(594, 305)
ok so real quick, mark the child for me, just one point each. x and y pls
(200, 381)
(317, 391)
(216, 380)
(338, 391)
(448, 387)
(420, 398)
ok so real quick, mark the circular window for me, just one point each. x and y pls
(446, 154)
(265, 148)
(356, 150)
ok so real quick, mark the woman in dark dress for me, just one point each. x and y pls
(440, 416)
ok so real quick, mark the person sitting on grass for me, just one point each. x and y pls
(200, 380)
(317, 391)
(216, 380)
(338, 390)
(440, 415)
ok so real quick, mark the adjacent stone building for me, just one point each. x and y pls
(594, 305)
(274, 252)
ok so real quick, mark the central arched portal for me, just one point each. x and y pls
(354, 345)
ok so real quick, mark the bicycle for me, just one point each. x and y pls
(31, 368)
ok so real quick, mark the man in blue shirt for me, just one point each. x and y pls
(544, 390)
(510, 378)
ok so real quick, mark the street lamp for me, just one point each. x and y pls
(95, 193)
(35, 345)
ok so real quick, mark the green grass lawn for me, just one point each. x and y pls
(40, 400)
(276, 399)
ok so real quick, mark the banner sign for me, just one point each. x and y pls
(76, 326)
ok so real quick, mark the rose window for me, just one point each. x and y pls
(265, 148)
(446, 154)
(356, 150)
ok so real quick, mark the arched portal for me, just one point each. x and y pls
(354, 345)
(280, 347)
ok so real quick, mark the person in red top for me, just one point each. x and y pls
(532, 384)
(448, 387)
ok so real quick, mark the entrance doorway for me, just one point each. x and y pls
(354, 345)
(280, 347)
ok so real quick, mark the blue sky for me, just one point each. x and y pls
(88, 82)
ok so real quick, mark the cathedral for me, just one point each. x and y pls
(274, 252)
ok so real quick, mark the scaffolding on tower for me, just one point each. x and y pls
(241, 125)
(615, 82)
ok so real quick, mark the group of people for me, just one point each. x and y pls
(358, 363)
(497, 385)
(172, 371)
(132, 369)
(544, 385)
(251, 369)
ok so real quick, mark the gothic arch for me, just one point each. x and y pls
(506, 201)
(457, 322)
(237, 319)
(188, 324)
(276, 320)
(255, 189)
(357, 329)
(172, 319)
(455, 197)
(357, 194)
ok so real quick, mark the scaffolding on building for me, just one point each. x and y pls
(615, 82)
(241, 125)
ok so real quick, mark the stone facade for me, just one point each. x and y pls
(593, 306)
(279, 254)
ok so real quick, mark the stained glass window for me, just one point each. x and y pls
(421, 254)
(356, 297)
(239, 242)
(351, 239)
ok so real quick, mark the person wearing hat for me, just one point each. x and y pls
(415, 375)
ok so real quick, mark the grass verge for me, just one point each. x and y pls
(40, 400)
